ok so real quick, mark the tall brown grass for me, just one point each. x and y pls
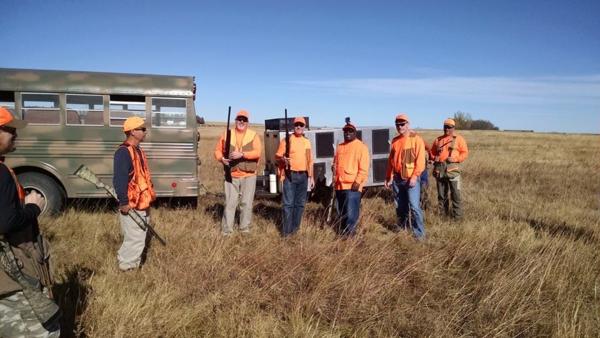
(524, 262)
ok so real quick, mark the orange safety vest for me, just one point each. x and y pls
(20, 190)
(140, 190)
(245, 145)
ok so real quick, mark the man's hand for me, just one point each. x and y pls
(413, 181)
(387, 184)
(35, 198)
(311, 183)
(236, 155)
(450, 160)
(225, 161)
(124, 209)
(355, 186)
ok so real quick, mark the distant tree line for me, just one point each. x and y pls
(464, 121)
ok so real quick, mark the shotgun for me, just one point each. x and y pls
(227, 148)
(288, 171)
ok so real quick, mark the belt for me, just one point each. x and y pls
(299, 172)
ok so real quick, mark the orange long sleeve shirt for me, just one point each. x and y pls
(407, 157)
(351, 164)
(442, 144)
(253, 154)
(300, 154)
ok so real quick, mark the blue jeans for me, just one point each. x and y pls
(349, 207)
(294, 197)
(407, 200)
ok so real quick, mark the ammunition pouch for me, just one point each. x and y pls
(443, 170)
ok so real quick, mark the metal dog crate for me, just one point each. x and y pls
(324, 141)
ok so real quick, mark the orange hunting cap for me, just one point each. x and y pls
(133, 122)
(449, 122)
(402, 117)
(349, 126)
(8, 120)
(242, 113)
(300, 119)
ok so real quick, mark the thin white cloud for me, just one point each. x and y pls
(580, 90)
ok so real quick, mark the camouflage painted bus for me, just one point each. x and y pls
(76, 118)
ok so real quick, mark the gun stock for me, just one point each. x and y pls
(85, 173)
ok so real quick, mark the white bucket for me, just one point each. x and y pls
(272, 183)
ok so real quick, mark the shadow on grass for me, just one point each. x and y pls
(563, 230)
(72, 297)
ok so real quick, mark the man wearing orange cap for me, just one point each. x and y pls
(22, 314)
(351, 167)
(406, 162)
(245, 150)
(295, 170)
(447, 152)
(135, 190)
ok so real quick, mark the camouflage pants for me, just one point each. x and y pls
(452, 187)
(18, 320)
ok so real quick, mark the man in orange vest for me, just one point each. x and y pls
(296, 172)
(135, 190)
(22, 251)
(447, 152)
(351, 167)
(245, 150)
(406, 162)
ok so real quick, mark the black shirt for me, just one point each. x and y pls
(13, 216)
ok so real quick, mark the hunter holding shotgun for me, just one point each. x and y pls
(241, 155)
(296, 172)
(134, 188)
(25, 308)
(447, 152)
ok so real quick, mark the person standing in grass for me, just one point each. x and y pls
(296, 172)
(406, 162)
(23, 252)
(351, 168)
(135, 191)
(245, 151)
(448, 152)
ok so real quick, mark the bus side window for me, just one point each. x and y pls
(85, 110)
(40, 108)
(124, 106)
(7, 100)
(168, 112)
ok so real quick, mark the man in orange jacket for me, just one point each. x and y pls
(406, 162)
(447, 152)
(134, 188)
(351, 167)
(296, 171)
(245, 150)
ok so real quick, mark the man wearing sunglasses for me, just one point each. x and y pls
(23, 252)
(406, 162)
(297, 178)
(245, 150)
(351, 167)
(447, 152)
(133, 185)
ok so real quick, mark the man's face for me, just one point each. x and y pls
(298, 128)
(139, 133)
(448, 130)
(349, 134)
(402, 127)
(241, 123)
(8, 136)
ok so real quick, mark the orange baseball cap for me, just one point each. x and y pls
(300, 119)
(133, 122)
(242, 113)
(8, 120)
(349, 126)
(449, 122)
(402, 117)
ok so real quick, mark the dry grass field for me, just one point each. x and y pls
(525, 261)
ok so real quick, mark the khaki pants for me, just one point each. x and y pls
(134, 241)
(239, 192)
(18, 320)
(453, 187)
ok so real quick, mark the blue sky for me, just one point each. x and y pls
(520, 64)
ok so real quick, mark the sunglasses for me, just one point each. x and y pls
(401, 124)
(142, 129)
(9, 130)
(448, 127)
(299, 125)
(242, 119)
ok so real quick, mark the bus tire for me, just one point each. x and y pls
(47, 187)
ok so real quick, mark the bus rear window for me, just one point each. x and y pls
(85, 110)
(124, 106)
(168, 113)
(40, 108)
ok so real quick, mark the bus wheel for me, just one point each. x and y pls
(47, 187)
